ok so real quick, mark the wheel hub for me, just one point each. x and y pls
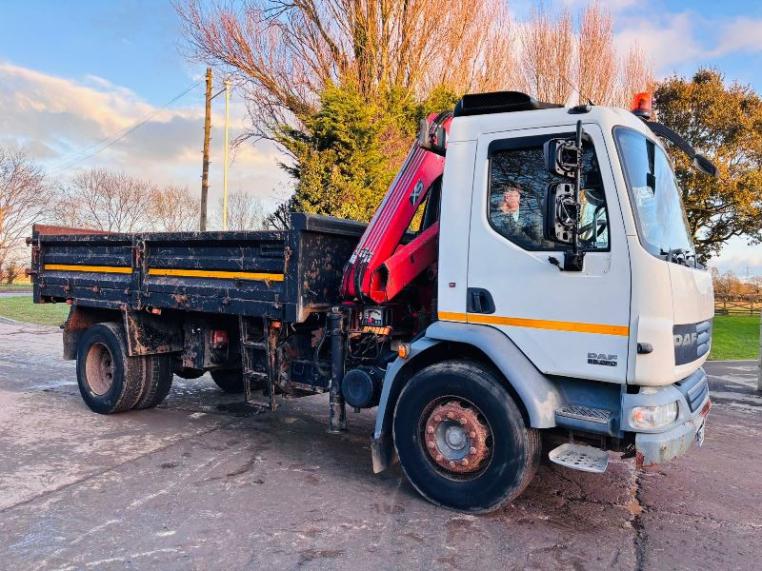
(455, 437)
(99, 366)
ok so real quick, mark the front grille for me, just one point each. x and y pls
(692, 341)
(695, 388)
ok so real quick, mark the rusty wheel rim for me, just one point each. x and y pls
(456, 437)
(99, 369)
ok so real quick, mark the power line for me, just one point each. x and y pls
(106, 143)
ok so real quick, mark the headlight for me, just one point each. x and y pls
(653, 417)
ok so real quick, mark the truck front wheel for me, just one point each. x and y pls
(109, 380)
(461, 439)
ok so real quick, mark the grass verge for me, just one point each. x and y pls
(735, 337)
(21, 308)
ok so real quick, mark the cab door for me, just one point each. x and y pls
(568, 323)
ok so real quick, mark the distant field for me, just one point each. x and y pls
(735, 337)
(21, 308)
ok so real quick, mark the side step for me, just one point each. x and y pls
(580, 457)
(576, 417)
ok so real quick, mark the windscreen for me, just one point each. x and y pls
(663, 227)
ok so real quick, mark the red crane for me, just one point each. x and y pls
(382, 264)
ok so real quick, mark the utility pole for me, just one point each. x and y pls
(207, 136)
(225, 166)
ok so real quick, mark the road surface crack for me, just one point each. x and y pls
(637, 509)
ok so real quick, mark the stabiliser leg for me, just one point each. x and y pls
(337, 419)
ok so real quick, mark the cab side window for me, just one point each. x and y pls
(518, 184)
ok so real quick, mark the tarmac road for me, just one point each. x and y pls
(188, 485)
(11, 293)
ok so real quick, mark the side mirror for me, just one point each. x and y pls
(560, 213)
(705, 165)
(562, 157)
(435, 142)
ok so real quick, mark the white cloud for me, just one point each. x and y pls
(740, 258)
(674, 39)
(667, 41)
(743, 35)
(59, 121)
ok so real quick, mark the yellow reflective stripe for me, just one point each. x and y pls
(451, 316)
(84, 268)
(571, 326)
(180, 273)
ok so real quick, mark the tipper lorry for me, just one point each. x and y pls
(529, 273)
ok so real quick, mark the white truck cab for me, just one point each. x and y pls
(585, 324)
(600, 343)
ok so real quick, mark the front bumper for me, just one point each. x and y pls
(664, 446)
(659, 446)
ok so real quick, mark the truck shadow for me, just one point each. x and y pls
(298, 429)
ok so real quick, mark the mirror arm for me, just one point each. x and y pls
(574, 260)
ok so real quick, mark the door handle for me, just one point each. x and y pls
(479, 300)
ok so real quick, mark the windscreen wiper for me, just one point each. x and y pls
(700, 162)
(677, 255)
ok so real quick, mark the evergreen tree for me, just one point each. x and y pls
(347, 153)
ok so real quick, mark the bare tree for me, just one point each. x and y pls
(116, 202)
(635, 75)
(245, 211)
(173, 209)
(547, 55)
(285, 52)
(554, 59)
(24, 200)
(280, 218)
(104, 200)
(597, 64)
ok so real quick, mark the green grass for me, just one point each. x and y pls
(21, 308)
(735, 337)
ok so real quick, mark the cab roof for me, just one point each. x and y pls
(470, 126)
(498, 102)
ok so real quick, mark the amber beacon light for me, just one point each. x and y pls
(642, 104)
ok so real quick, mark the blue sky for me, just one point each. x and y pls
(73, 73)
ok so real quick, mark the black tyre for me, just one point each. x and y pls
(461, 439)
(109, 380)
(229, 380)
(157, 380)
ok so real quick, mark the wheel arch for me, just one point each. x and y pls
(536, 396)
(79, 320)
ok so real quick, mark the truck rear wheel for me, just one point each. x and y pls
(157, 380)
(229, 380)
(461, 439)
(109, 380)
